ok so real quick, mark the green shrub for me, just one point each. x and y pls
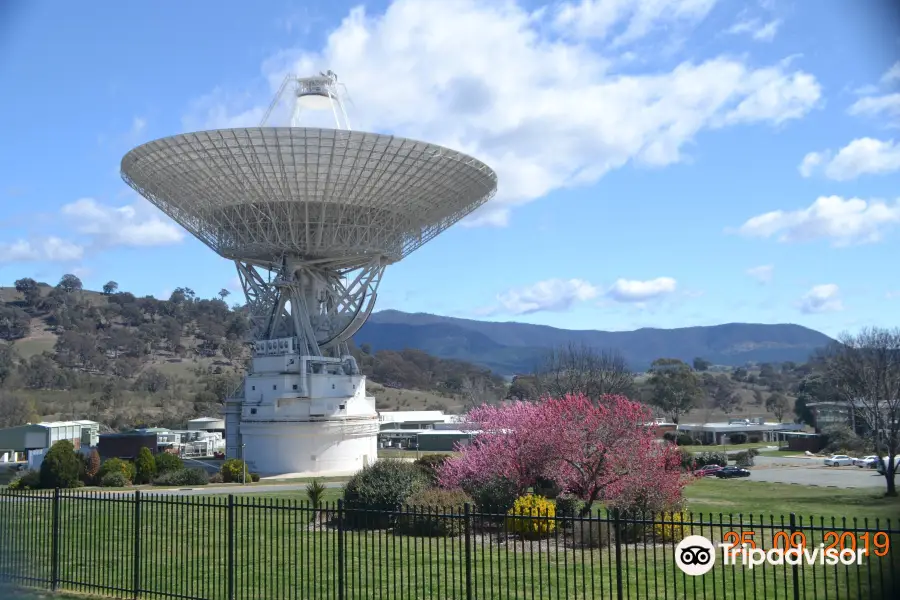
(684, 439)
(28, 480)
(532, 516)
(166, 461)
(216, 478)
(688, 460)
(145, 466)
(382, 486)
(254, 477)
(114, 479)
(61, 467)
(738, 438)
(670, 436)
(496, 496)
(546, 488)
(234, 470)
(183, 477)
(710, 458)
(744, 459)
(315, 491)
(567, 506)
(430, 464)
(117, 465)
(427, 511)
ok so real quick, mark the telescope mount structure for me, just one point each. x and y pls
(311, 217)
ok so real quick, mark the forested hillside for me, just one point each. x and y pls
(127, 361)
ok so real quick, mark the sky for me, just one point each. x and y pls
(661, 163)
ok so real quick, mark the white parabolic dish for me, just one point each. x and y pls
(334, 197)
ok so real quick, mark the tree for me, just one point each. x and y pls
(61, 467)
(7, 362)
(864, 370)
(145, 466)
(223, 293)
(675, 388)
(724, 395)
(701, 364)
(231, 349)
(758, 398)
(581, 369)
(110, 287)
(777, 404)
(16, 410)
(598, 449)
(14, 323)
(69, 283)
(29, 288)
(92, 467)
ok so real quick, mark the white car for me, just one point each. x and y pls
(880, 465)
(866, 462)
(838, 460)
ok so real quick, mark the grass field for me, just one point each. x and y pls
(278, 553)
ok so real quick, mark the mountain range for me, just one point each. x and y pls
(510, 348)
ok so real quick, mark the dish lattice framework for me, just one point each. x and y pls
(310, 216)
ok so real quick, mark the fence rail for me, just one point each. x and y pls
(137, 545)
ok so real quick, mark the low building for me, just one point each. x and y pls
(211, 424)
(29, 441)
(425, 440)
(756, 430)
(412, 419)
(126, 445)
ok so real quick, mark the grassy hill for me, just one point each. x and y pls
(510, 348)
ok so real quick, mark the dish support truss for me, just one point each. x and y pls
(322, 307)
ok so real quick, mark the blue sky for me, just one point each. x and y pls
(661, 164)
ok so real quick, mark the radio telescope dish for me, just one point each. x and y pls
(310, 216)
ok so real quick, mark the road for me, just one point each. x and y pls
(812, 471)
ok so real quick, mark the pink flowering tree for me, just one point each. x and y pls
(603, 451)
(505, 447)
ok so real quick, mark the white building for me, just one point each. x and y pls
(756, 430)
(301, 415)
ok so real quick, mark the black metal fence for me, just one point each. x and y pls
(134, 545)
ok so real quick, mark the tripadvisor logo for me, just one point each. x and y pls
(695, 555)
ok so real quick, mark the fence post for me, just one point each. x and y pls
(468, 530)
(229, 564)
(795, 568)
(617, 532)
(54, 543)
(340, 545)
(136, 567)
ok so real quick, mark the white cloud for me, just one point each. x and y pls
(862, 156)
(597, 19)
(762, 31)
(131, 225)
(762, 273)
(892, 75)
(138, 125)
(810, 163)
(550, 295)
(875, 106)
(630, 290)
(821, 298)
(545, 112)
(51, 249)
(844, 222)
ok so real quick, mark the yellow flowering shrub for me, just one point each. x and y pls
(671, 530)
(532, 516)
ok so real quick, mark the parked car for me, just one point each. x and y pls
(881, 464)
(838, 460)
(707, 470)
(729, 472)
(866, 462)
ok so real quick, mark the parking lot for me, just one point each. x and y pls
(812, 471)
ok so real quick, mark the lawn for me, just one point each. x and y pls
(279, 553)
